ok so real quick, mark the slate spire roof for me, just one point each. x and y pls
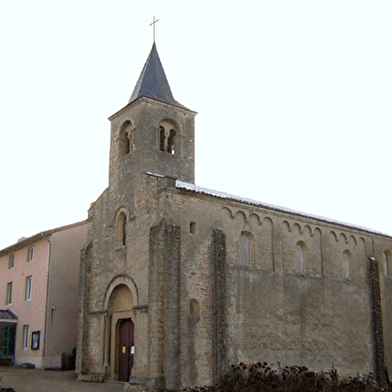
(152, 81)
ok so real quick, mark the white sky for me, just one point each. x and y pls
(294, 100)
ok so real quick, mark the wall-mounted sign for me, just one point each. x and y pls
(35, 340)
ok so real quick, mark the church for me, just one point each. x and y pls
(178, 281)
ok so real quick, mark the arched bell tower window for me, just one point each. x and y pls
(168, 137)
(125, 139)
(122, 229)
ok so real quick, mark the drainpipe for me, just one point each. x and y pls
(47, 301)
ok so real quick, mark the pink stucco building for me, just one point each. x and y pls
(39, 283)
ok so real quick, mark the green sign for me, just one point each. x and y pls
(35, 339)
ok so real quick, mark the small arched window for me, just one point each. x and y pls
(122, 229)
(125, 139)
(192, 227)
(194, 308)
(300, 256)
(388, 263)
(244, 250)
(347, 264)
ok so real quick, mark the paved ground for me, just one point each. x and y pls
(33, 380)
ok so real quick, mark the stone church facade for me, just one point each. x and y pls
(179, 281)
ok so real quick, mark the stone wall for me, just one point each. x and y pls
(204, 307)
(319, 316)
(216, 281)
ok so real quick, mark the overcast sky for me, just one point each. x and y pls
(294, 100)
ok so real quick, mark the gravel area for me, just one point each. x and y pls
(34, 380)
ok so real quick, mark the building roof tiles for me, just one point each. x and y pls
(6, 314)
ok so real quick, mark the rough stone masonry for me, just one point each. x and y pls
(203, 279)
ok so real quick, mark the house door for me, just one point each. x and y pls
(7, 342)
(126, 349)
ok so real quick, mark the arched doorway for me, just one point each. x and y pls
(121, 332)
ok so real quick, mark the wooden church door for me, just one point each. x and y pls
(126, 349)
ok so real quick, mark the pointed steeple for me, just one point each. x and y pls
(152, 81)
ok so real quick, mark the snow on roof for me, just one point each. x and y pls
(223, 195)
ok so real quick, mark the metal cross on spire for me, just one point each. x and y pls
(153, 27)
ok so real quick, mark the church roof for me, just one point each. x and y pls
(223, 195)
(152, 82)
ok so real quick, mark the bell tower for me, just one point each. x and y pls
(153, 132)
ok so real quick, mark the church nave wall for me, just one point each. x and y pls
(307, 306)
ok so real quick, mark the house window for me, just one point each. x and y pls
(192, 227)
(9, 293)
(30, 254)
(29, 288)
(300, 256)
(11, 261)
(25, 344)
(122, 229)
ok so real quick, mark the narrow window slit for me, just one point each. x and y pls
(192, 227)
